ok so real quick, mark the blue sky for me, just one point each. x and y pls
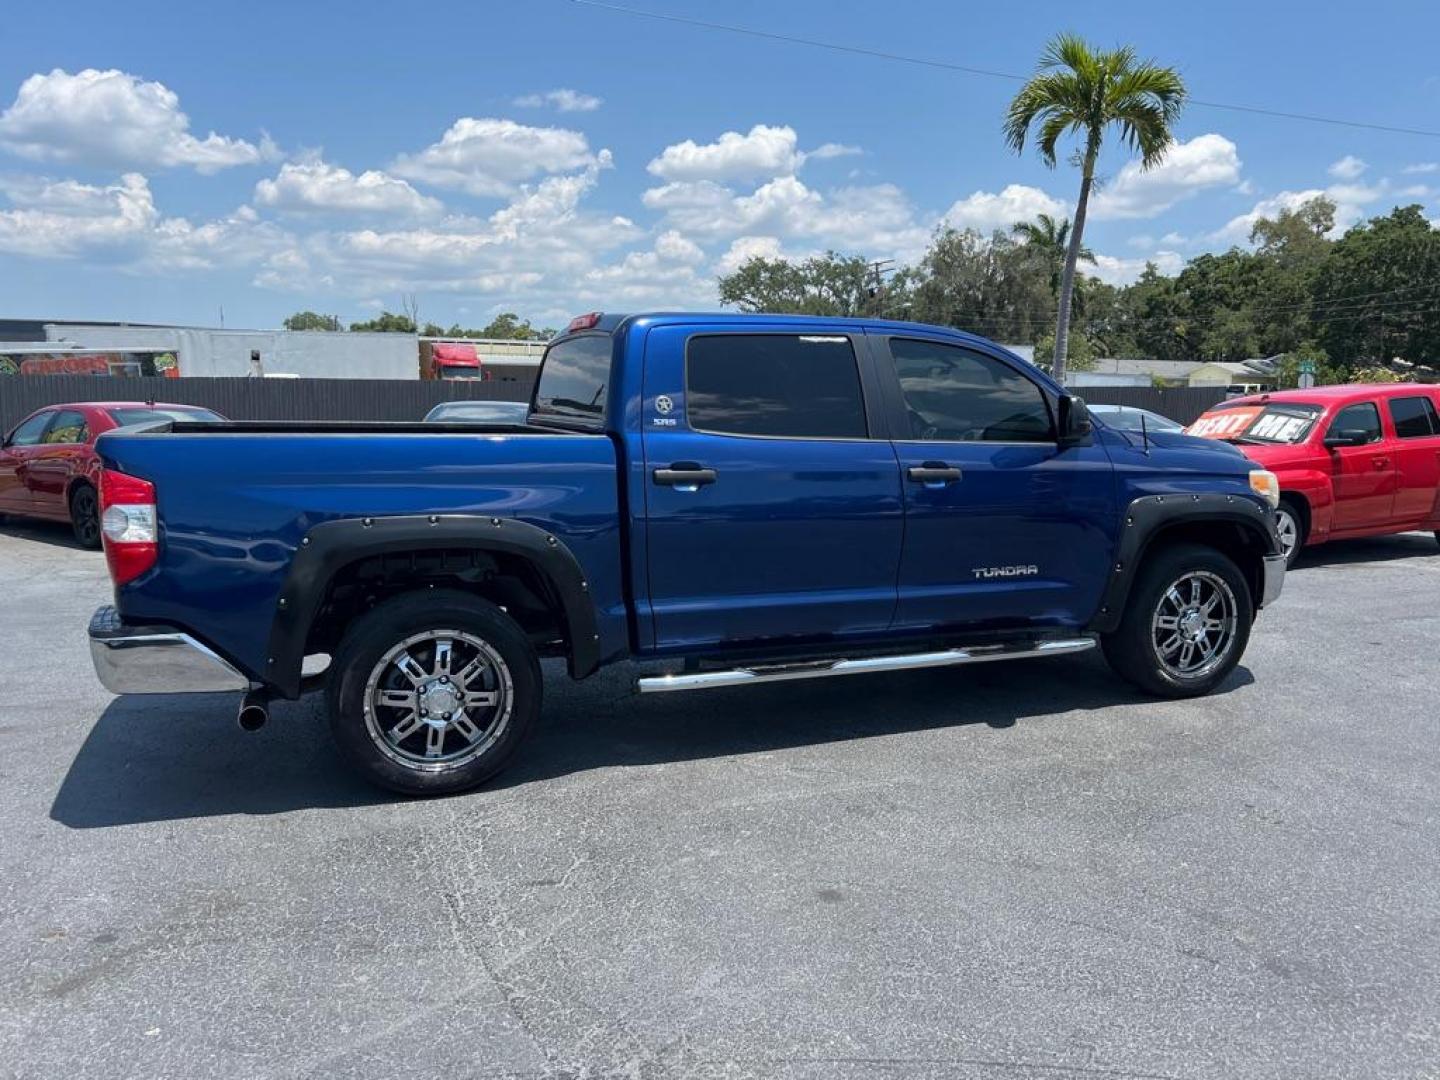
(160, 161)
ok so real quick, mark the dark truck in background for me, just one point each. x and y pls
(750, 498)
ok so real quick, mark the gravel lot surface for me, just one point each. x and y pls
(1007, 871)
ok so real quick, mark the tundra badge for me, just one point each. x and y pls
(987, 572)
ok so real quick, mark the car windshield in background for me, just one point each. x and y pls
(125, 417)
(1257, 423)
(1130, 419)
(573, 378)
(478, 412)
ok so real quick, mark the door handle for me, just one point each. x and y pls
(1381, 462)
(685, 476)
(933, 474)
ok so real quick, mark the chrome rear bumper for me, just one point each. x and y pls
(155, 659)
(1274, 579)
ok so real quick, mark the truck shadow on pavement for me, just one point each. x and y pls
(174, 756)
(181, 756)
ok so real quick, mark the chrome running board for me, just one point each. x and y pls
(820, 669)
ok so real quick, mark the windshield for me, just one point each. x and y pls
(459, 371)
(146, 415)
(1278, 424)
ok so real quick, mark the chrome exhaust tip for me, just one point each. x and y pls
(254, 710)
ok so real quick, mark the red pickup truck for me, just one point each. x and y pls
(1361, 460)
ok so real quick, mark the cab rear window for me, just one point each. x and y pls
(1288, 423)
(573, 379)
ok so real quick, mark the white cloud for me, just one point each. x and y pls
(1205, 161)
(1348, 167)
(1422, 167)
(875, 220)
(1351, 203)
(744, 248)
(66, 219)
(491, 157)
(314, 186)
(119, 223)
(116, 119)
(765, 151)
(1115, 271)
(986, 211)
(563, 100)
(829, 150)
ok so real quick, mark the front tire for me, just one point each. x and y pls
(1290, 525)
(432, 692)
(85, 516)
(1186, 624)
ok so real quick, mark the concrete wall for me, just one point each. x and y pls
(207, 352)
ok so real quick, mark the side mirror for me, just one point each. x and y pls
(1075, 426)
(1347, 437)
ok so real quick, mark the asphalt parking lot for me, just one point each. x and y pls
(1007, 871)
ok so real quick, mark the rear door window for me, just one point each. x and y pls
(1414, 417)
(1362, 417)
(799, 386)
(68, 427)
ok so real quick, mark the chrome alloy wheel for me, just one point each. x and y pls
(437, 700)
(1288, 528)
(1193, 629)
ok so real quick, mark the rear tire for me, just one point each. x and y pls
(85, 516)
(1186, 623)
(432, 692)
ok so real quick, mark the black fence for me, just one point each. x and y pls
(258, 399)
(1182, 403)
(392, 399)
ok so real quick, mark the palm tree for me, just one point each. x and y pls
(1081, 90)
(1050, 241)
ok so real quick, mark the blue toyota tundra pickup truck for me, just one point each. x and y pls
(747, 498)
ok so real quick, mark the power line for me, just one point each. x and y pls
(945, 65)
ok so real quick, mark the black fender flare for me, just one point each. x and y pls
(1148, 515)
(331, 545)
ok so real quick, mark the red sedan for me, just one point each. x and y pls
(48, 465)
(1361, 460)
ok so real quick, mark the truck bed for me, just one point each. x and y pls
(235, 500)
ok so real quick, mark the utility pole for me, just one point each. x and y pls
(878, 269)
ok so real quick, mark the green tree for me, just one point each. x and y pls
(309, 320)
(830, 284)
(386, 322)
(1049, 240)
(1375, 295)
(510, 326)
(1081, 90)
(1295, 235)
(988, 285)
(1083, 353)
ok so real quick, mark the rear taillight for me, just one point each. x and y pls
(127, 522)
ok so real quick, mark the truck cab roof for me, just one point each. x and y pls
(615, 322)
